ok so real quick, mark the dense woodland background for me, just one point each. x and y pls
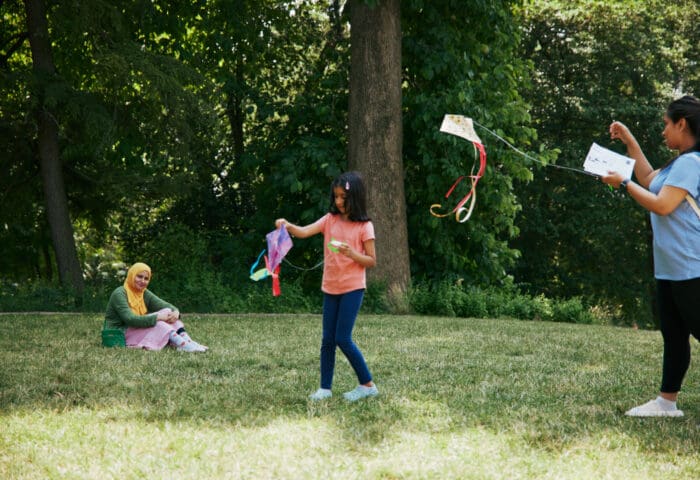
(180, 130)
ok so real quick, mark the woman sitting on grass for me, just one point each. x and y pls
(145, 320)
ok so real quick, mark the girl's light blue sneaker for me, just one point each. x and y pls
(321, 394)
(361, 392)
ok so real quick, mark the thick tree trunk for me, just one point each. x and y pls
(375, 133)
(234, 111)
(69, 270)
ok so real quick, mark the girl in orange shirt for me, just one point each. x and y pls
(348, 237)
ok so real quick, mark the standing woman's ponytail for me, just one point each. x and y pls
(687, 107)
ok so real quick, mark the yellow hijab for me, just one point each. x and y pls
(133, 295)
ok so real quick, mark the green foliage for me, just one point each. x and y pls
(180, 262)
(35, 296)
(571, 311)
(134, 123)
(465, 63)
(196, 124)
(194, 289)
(454, 299)
(375, 299)
(259, 298)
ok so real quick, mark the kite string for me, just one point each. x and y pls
(302, 268)
(562, 167)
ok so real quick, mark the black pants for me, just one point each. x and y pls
(679, 309)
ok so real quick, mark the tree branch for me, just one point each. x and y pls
(19, 39)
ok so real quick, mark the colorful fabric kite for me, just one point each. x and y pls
(463, 127)
(278, 245)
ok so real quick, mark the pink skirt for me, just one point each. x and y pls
(151, 338)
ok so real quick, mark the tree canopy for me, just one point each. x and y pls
(196, 124)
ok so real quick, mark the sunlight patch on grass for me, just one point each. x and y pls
(102, 444)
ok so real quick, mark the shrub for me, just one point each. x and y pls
(375, 299)
(472, 303)
(572, 311)
(428, 299)
(257, 297)
(182, 270)
(184, 277)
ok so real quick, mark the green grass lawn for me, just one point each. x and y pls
(459, 398)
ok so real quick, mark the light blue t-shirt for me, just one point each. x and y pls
(677, 235)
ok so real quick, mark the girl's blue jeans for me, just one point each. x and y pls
(339, 315)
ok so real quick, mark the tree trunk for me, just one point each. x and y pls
(375, 133)
(69, 271)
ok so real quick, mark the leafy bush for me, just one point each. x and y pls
(257, 297)
(183, 273)
(200, 290)
(453, 299)
(376, 298)
(36, 296)
(429, 299)
(51, 297)
(572, 311)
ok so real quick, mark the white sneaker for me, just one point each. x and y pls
(204, 348)
(653, 409)
(187, 337)
(189, 347)
(361, 392)
(321, 394)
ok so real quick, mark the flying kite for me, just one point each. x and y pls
(463, 127)
(278, 245)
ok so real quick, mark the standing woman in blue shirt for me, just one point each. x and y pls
(672, 195)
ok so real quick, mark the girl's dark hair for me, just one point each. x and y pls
(687, 107)
(355, 196)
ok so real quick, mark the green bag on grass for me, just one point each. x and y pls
(113, 337)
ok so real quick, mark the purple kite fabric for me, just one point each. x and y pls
(278, 244)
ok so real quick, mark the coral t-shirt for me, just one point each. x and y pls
(340, 273)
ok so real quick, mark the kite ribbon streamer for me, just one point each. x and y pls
(266, 272)
(259, 274)
(462, 213)
(276, 292)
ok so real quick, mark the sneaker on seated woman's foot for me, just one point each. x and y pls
(190, 347)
